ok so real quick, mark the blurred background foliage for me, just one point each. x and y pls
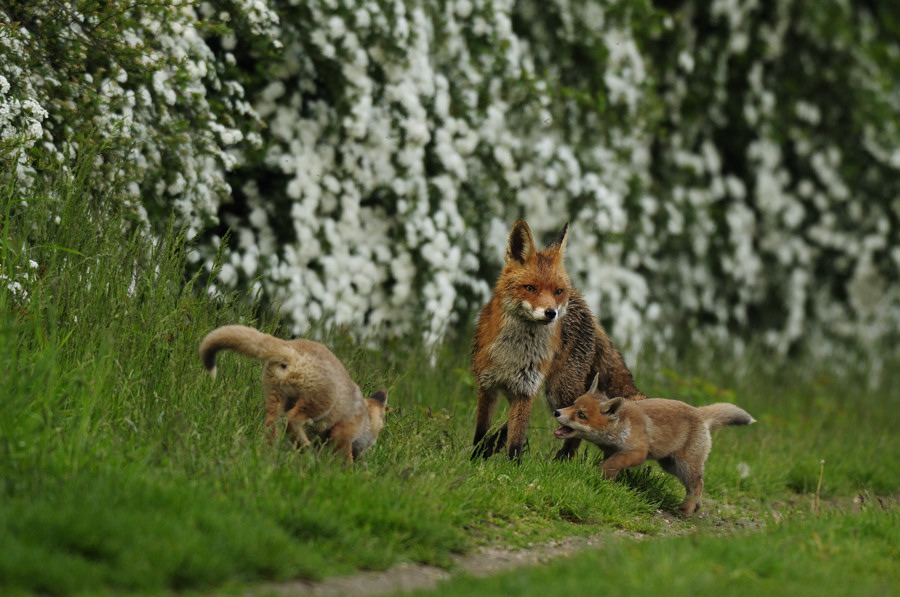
(729, 168)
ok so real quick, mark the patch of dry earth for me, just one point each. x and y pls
(410, 577)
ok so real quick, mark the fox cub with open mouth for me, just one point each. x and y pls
(632, 431)
(309, 384)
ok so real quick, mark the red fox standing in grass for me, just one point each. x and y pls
(309, 384)
(672, 432)
(537, 329)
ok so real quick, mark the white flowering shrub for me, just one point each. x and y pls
(80, 75)
(404, 138)
(20, 128)
(727, 167)
(781, 163)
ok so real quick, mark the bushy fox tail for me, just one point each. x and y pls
(722, 414)
(244, 340)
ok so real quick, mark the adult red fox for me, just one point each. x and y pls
(629, 433)
(305, 381)
(536, 329)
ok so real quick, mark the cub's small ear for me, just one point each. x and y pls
(612, 407)
(559, 243)
(520, 247)
(593, 388)
(380, 396)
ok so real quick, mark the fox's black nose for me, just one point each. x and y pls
(556, 414)
(550, 314)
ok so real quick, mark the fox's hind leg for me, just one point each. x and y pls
(691, 503)
(691, 476)
(296, 420)
(273, 408)
(296, 432)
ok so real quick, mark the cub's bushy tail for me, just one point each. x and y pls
(722, 414)
(244, 340)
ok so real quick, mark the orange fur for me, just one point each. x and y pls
(537, 330)
(306, 382)
(629, 433)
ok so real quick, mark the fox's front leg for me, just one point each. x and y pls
(484, 415)
(519, 416)
(613, 463)
(341, 437)
(569, 448)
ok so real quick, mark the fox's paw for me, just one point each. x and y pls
(568, 450)
(689, 507)
(490, 445)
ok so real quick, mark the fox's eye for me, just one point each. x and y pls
(559, 291)
(530, 288)
(283, 365)
(581, 415)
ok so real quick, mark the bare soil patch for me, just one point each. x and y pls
(410, 577)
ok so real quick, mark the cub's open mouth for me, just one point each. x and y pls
(563, 432)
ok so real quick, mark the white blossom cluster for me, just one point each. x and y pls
(174, 107)
(782, 243)
(408, 138)
(370, 156)
(21, 128)
(17, 282)
(154, 90)
(21, 115)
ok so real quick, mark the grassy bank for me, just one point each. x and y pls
(125, 468)
(835, 554)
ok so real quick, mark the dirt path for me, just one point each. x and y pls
(491, 560)
(483, 562)
(410, 577)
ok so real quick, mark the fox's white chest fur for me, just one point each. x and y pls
(520, 355)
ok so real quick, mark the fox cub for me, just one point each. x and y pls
(304, 380)
(536, 329)
(629, 433)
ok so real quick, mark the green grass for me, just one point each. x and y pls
(838, 554)
(124, 468)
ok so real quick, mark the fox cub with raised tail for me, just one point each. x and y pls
(669, 431)
(535, 330)
(309, 384)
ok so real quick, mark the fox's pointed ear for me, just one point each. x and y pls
(559, 243)
(612, 407)
(380, 396)
(521, 244)
(593, 388)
